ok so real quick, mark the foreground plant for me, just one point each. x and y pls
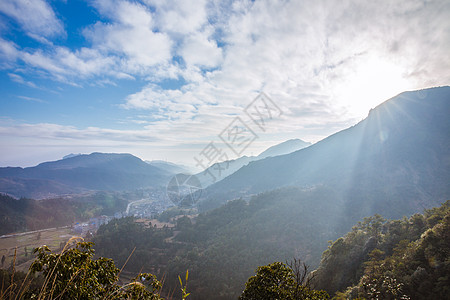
(280, 281)
(74, 274)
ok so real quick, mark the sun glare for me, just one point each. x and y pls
(371, 83)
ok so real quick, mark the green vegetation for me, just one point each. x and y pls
(172, 212)
(279, 281)
(75, 274)
(28, 214)
(221, 248)
(118, 239)
(400, 259)
(378, 259)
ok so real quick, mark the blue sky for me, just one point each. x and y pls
(162, 79)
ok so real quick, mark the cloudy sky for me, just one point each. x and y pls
(163, 79)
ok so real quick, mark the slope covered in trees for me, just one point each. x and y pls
(398, 259)
(27, 214)
(222, 248)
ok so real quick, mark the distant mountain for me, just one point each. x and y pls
(96, 171)
(71, 155)
(395, 162)
(219, 171)
(36, 188)
(169, 167)
(286, 147)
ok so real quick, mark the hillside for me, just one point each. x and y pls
(283, 148)
(393, 162)
(169, 167)
(221, 170)
(398, 259)
(222, 247)
(18, 215)
(96, 171)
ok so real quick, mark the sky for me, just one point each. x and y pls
(189, 81)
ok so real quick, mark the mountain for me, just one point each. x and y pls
(286, 147)
(402, 259)
(219, 171)
(96, 171)
(169, 167)
(394, 162)
(71, 155)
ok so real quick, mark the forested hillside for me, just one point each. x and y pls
(391, 259)
(223, 247)
(24, 214)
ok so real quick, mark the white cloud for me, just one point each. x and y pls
(324, 63)
(19, 79)
(32, 99)
(152, 97)
(36, 17)
(8, 51)
(199, 50)
(130, 36)
(55, 132)
(180, 17)
(67, 66)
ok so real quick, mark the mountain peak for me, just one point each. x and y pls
(394, 162)
(71, 155)
(285, 147)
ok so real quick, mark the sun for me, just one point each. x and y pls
(370, 83)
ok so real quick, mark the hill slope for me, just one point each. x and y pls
(391, 163)
(96, 171)
(283, 148)
(219, 171)
(407, 256)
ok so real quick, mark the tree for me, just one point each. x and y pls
(279, 281)
(74, 274)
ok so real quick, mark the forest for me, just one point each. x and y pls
(390, 259)
(25, 214)
(222, 248)
(378, 259)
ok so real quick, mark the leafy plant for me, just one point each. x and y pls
(184, 293)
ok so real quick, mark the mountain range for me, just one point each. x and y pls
(169, 167)
(220, 170)
(80, 173)
(395, 162)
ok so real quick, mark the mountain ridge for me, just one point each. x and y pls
(95, 171)
(401, 147)
(221, 170)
